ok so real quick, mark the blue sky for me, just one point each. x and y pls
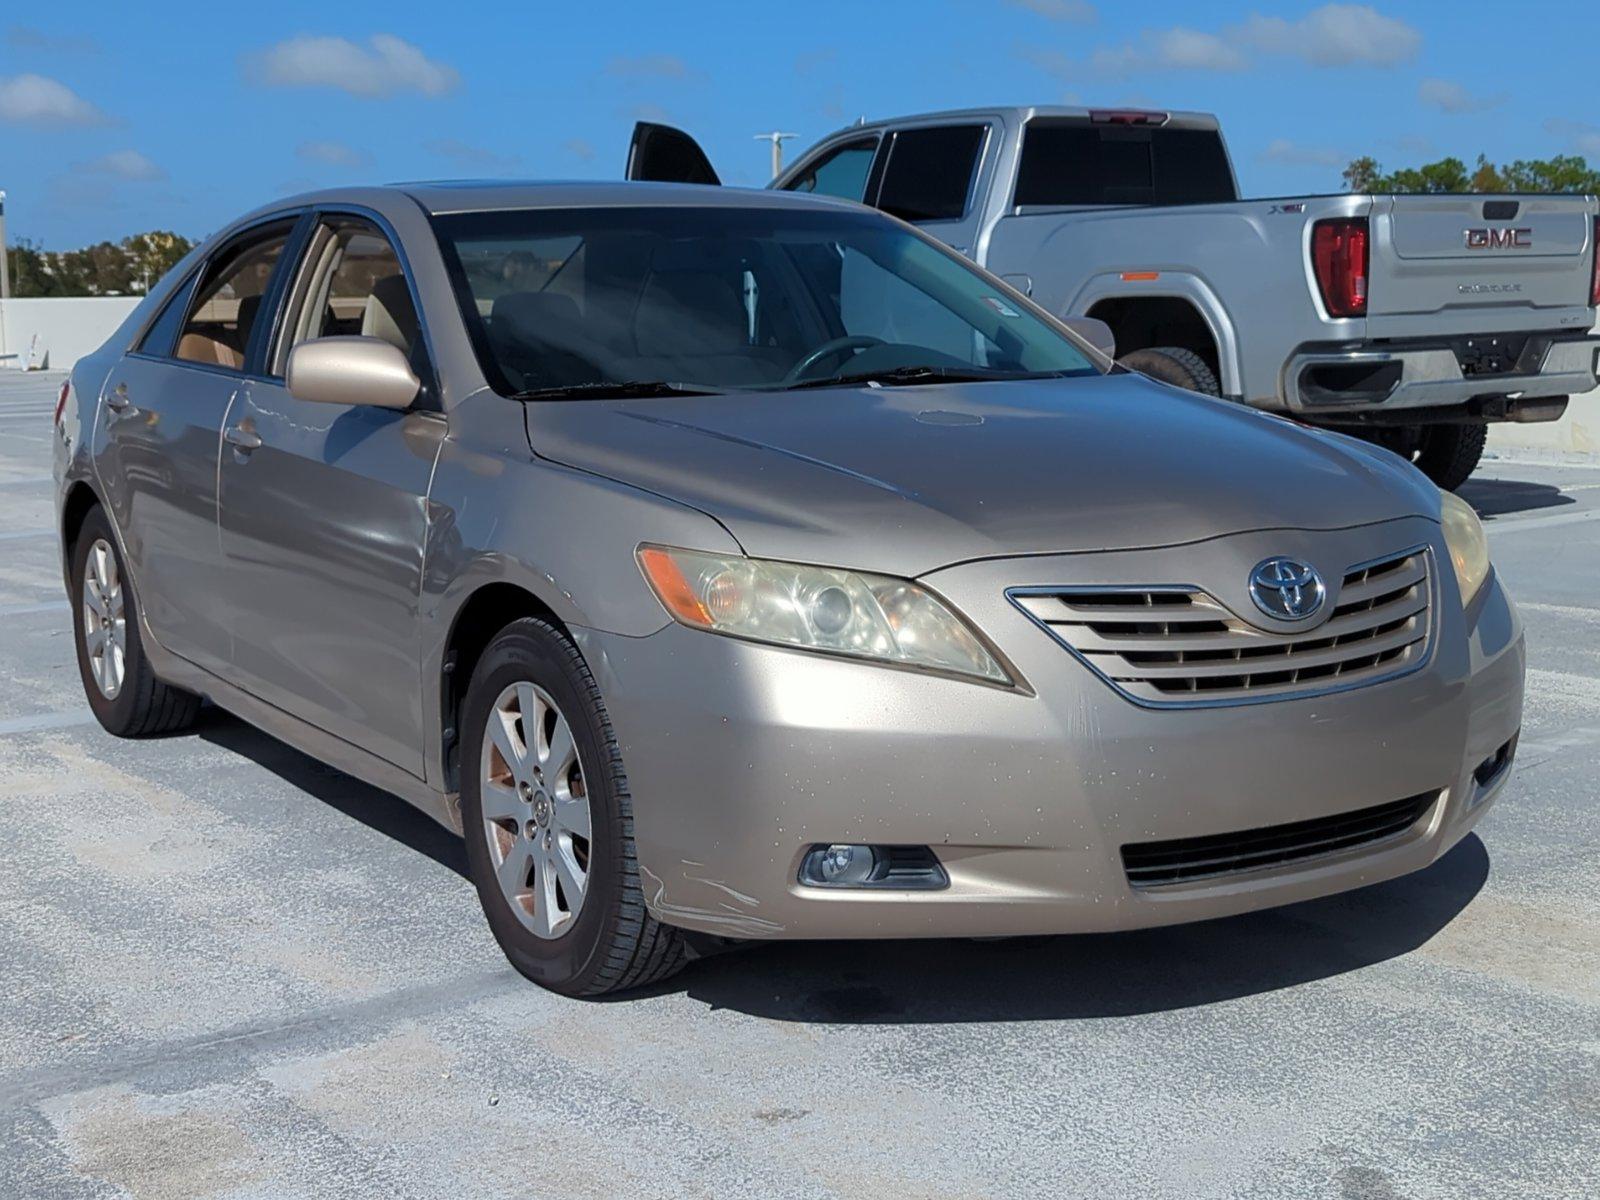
(115, 118)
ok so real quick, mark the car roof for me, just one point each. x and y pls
(439, 197)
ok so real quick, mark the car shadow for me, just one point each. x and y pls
(1090, 975)
(1501, 497)
(377, 809)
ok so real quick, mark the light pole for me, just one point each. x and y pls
(777, 139)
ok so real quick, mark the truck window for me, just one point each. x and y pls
(1067, 163)
(841, 172)
(930, 172)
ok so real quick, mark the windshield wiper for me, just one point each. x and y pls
(613, 389)
(910, 375)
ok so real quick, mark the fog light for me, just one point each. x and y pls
(838, 865)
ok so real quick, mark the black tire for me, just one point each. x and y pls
(1450, 453)
(612, 942)
(1179, 367)
(142, 706)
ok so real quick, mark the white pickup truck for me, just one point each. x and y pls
(1411, 320)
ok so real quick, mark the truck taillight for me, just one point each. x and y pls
(1594, 282)
(61, 400)
(1339, 260)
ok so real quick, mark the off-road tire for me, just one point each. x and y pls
(1179, 367)
(1450, 453)
(144, 706)
(613, 943)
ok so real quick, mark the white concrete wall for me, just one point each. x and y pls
(67, 329)
(1575, 437)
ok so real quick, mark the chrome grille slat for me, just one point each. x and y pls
(1174, 646)
(1096, 638)
(1287, 658)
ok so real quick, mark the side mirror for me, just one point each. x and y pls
(352, 370)
(1094, 331)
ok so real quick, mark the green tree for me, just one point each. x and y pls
(1564, 173)
(126, 268)
(152, 255)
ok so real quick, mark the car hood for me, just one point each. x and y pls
(903, 480)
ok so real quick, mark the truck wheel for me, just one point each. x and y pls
(1450, 453)
(548, 819)
(1170, 364)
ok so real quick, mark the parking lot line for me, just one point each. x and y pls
(41, 722)
(18, 535)
(28, 610)
(1539, 521)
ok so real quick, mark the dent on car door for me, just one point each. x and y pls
(164, 406)
(323, 512)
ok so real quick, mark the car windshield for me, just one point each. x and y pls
(564, 302)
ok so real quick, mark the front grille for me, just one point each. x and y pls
(1172, 646)
(1184, 860)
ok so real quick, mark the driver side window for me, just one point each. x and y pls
(841, 172)
(351, 284)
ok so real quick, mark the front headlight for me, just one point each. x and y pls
(1468, 544)
(816, 608)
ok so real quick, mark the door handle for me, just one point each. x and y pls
(117, 400)
(241, 437)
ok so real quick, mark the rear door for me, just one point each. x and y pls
(164, 408)
(1474, 256)
(324, 510)
(929, 177)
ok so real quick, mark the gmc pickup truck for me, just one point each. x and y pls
(1410, 320)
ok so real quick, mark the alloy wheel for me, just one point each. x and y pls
(105, 625)
(535, 807)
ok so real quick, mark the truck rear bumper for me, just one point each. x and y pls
(1332, 380)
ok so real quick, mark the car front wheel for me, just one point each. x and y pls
(548, 820)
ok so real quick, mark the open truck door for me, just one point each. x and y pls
(662, 154)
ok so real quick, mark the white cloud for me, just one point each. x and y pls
(333, 154)
(468, 155)
(1282, 150)
(383, 66)
(580, 150)
(35, 100)
(1580, 136)
(127, 165)
(1157, 50)
(1336, 35)
(26, 37)
(1077, 11)
(1453, 98)
(650, 66)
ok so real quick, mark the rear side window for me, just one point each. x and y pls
(930, 172)
(228, 304)
(162, 335)
(841, 173)
(1065, 164)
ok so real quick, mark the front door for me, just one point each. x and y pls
(324, 512)
(164, 407)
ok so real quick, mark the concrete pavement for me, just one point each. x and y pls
(226, 970)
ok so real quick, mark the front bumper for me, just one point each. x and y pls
(741, 757)
(1335, 379)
